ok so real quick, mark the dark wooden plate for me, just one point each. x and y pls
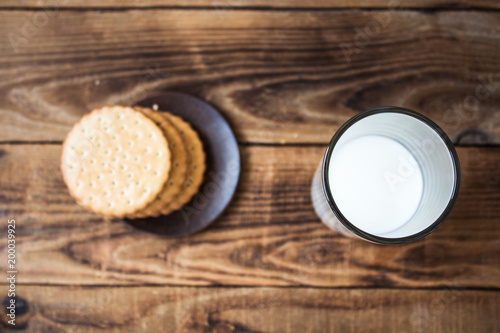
(221, 175)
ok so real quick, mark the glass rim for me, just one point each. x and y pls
(363, 234)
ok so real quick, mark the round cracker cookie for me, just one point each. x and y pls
(196, 163)
(115, 161)
(178, 170)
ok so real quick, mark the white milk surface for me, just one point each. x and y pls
(375, 182)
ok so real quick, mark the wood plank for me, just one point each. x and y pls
(268, 236)
(170, 309)
(249, 3)
(278, 76)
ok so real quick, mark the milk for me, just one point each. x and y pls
(375, 182)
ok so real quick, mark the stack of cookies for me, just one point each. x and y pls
(132, 162)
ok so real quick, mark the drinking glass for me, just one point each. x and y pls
(389, 175)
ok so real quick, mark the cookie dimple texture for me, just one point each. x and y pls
(115, 161)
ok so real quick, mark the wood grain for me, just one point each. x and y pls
(249, 3)
(167, 309)
(269, 236)
(277, 76)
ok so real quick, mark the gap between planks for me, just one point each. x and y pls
(249, 144)
(230, 286)
(253, 8)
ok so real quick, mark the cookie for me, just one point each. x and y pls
(115, 161)
(196, 163)
(178, 169)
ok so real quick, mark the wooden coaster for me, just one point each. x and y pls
(222, 166)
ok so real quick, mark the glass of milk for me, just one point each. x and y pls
(389, 175)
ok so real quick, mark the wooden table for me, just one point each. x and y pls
(286, 74)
